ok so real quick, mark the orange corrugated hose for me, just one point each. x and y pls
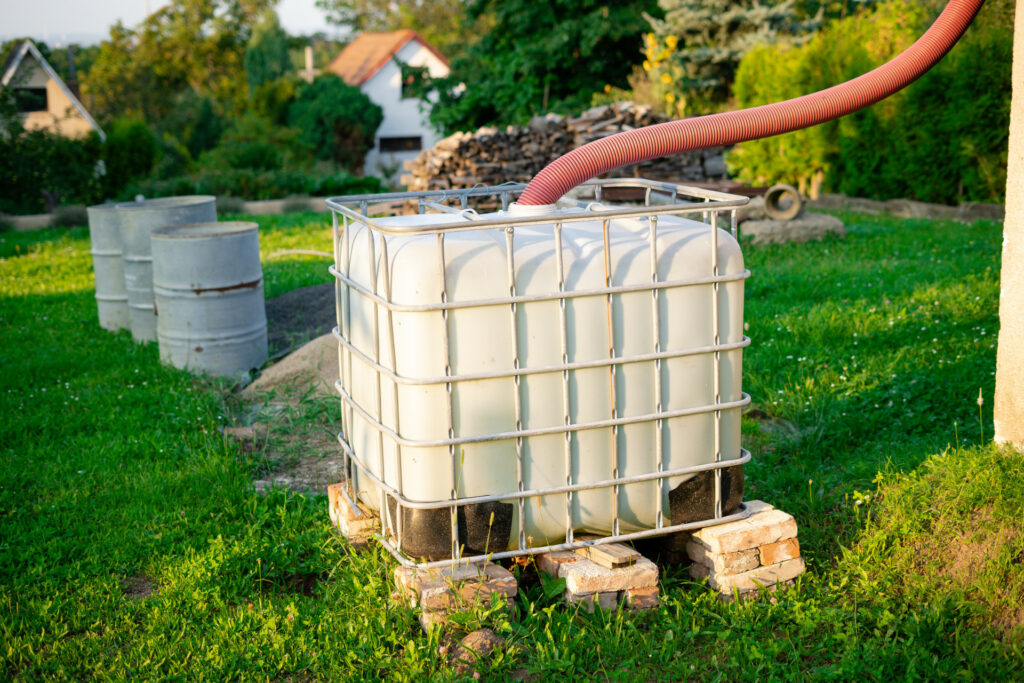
(675, 137)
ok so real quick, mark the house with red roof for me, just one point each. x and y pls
(371, 62)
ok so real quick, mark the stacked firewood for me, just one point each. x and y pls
(492, 156)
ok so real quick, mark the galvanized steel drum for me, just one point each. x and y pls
(208, 285)
(137, 222)
(105, 238)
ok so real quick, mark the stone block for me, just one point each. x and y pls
(352, 524)
(551, 563)
(642, 599)
(584, 576)
(700, 571)
(762, 528)
(747, 595)
(810, 226)
(590, 601)
(724, 563)
(454, 588)
(760, 577)
(439, 618)
(780, 551)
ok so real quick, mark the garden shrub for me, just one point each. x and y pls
(251, 185)
(252, 142)
(943, 139)
(129, 152)
(40, 169)
(338, 121)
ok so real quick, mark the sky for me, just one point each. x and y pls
(58, 22)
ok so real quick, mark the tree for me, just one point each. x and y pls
(337, 121)
(539, 57)
(196, 44)
(696, 48)
(1009, 400)
(445, 24)
(266, 55)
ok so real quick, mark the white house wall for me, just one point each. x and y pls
(402, 116)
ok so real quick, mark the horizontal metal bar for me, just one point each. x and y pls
(546, 219)
(541, 550)
(532, 298)
(539, 431)
(537, 493)
(534, 370)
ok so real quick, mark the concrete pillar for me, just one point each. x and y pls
(1009, 400)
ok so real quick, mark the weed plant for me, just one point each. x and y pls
(132, 543)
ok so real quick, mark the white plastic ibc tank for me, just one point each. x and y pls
(482, 339)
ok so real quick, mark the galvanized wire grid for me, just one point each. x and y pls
(352, 213)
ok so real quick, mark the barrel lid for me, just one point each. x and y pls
(166, 202)
(194, 230)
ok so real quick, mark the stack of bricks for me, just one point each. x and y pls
(459, 588)
(353, 519)
(743, 557)
(602, 576)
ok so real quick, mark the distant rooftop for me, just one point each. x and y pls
(369, 52)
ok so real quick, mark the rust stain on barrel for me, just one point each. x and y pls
(230, 288)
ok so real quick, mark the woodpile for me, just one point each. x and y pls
(492, 156)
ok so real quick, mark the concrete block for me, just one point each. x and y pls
(642, 599)
(763, 528)
(589, 601)
(356, 526)
(774, 553)
(724, 563)
(551, 563)
(584, 576)
(762, 576)
(454, 588)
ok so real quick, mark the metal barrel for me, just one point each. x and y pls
(208, 285)
(137, 222)
(105, 238)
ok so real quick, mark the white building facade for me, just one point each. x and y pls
(372, 63)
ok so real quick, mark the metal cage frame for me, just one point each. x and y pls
(659, 198)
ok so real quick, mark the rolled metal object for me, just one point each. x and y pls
(137, 222)
(729, 128)
(208, 288)
(108, 267)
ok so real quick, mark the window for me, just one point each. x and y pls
(30, 99)
(410, 144)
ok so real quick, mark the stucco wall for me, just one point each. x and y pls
(61, 116)
(402, 116)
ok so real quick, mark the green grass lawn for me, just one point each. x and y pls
(132, 543)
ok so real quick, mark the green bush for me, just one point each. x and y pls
(129, 152)
(942, 139)
(338, 122)
(252, 142)
(39, 168)
(251, 185)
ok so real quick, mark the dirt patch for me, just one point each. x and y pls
(300, 315)
(971, 553)
(288, 418)
(138, 587)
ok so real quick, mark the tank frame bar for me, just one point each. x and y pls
(659, 198)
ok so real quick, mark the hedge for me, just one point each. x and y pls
(249, 184)
(943, 139)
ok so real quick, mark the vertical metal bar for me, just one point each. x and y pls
(504, 201)
(605, 225)
(390, 340)
(510, 261)
(734, 226)
(566, 399)
(371, 254)
(363, 208)
(716, 330)
(452, 452)
(659, 451)
(348, 412)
